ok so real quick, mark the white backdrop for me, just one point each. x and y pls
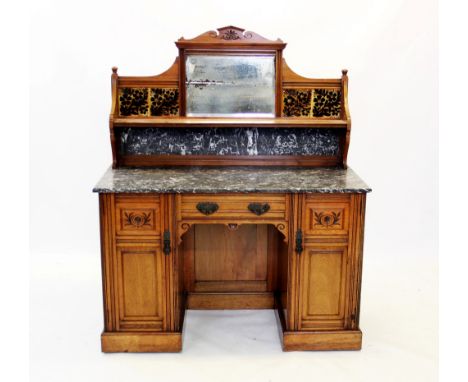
(390, 50)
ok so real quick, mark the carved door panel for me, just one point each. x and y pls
(140, 288)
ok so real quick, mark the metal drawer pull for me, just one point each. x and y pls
(258, 208)
(207, 208)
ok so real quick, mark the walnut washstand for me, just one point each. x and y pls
(229, 189)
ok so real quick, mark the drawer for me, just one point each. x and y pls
(326, 214)
(228, 206)
(137, 215)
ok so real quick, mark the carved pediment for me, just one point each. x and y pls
(233, 33)
(230, 35)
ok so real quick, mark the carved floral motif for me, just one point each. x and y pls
(327, 219)
(137, 220)
(230, 35)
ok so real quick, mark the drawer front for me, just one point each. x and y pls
(327, 214)
(222, 206)
(137, 215)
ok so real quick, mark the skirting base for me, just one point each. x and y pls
(171, 342)
(317, 340)
(141, 342)
(322, 340)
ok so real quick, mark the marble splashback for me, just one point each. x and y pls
(228, 141)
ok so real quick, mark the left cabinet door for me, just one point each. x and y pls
(134, 265)
(140, 288)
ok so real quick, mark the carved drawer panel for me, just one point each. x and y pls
(219, 206)
(137, 215)
(327, 215)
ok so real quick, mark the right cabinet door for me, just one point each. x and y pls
(323, 287)
(329, 270)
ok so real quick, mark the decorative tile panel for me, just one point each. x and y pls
(133, 101)
(297, 102)
(164, 101)
(326, 103)
(148, 102)
(312, 103)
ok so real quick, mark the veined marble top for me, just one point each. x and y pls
(231, 179)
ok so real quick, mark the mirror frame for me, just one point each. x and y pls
(230, 41)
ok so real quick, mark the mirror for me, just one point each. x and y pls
(230, 85)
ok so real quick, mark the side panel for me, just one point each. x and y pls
(106, 209)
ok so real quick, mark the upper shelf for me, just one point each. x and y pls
(175, 122)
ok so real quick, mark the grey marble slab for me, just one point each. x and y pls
(230, 179)
(228, 141)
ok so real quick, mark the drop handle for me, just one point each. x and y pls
(299, 247)
(167, 243)
(207, 208)
(258, 208)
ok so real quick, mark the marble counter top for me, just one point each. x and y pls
(231, 179)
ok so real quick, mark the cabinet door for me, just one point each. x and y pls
(140, 288)
(324, 265)
(323, 275)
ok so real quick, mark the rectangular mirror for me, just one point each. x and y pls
(230, 86)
